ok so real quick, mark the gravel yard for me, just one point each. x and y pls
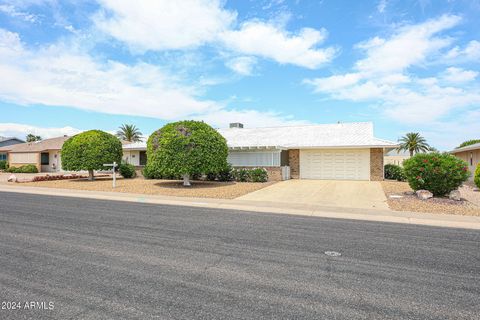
(199, 189)
(407, 202)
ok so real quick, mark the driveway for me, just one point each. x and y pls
(330, 193)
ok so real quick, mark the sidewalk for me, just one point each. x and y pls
(430, 219)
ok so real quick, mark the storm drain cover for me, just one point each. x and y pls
(333, 253)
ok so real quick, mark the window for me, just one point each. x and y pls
(254, 158)
(471, 158)
(45, 159)
(3, 156)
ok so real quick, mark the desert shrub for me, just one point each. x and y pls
(241, 174)
(3, 164)
(435, 172)
(477, 176)
(258, 175)
(127, 170)
(28, 168)
(394, 172)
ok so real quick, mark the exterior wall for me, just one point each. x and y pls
(132, 157)
(54, 162)
(242, 158)
(294, 162)
(472, 158)
(20, 159)
(397, 160)
(274, 173)
(376, 164)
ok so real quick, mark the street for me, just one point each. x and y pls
(95, 259)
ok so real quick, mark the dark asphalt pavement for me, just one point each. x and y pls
(98, 259)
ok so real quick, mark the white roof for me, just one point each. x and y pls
(474, 146)
(141, 145)
(357, 134)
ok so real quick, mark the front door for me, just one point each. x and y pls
(143, 158)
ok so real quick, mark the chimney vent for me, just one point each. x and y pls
(236, 125)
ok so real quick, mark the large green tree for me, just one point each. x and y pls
(185, 148)
(129, 132)
(413, 142)
(90, 150)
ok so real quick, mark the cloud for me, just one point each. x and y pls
(458, 75)
(382, 5)
(163, 24)
(471, 52)
(242, 65)
(60, 76)
(10, 10)
(19, 130)
(270, 41)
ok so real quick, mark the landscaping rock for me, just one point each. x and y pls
(409, 193)
(12, 178)
(455, 195)
(424, 194)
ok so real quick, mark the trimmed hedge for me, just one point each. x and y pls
(438, 173)
(394, 172)
(250, 175)
(477, 175)
(3, 164)
(127, 170)
(28, 168)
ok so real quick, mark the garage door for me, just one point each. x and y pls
(335, 164)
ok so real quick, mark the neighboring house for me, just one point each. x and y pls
(5, 142)
(44, 154)
(396, 157)
(469, 154)
(135, 153)
(342, 151)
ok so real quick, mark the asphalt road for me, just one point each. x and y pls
(116, 260)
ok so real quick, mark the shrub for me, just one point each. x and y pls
(127, 170)
(226, 174)
(435, 172)
(477, 175)
(241, 175)
(28, 168)
(394, 172)
(3, 164)
(90, 150)
(185, 148)
(258, 175)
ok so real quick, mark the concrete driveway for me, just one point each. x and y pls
(331, 193)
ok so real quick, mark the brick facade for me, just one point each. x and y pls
(376, 164)
(294, 163)
(274, 173)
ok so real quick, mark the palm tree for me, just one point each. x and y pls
(32, 138)
(129, 132)
(414, 143)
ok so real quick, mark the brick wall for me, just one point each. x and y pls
(376, 164)
(274, 173)
(294, 163)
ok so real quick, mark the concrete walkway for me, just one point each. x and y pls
(381, 215)
(330, 193)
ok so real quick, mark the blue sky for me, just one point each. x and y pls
(407, 65)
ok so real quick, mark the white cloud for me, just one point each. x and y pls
(14, 13)
(382, 5)
(270, 41)
(471, 52)
(163, 24)
(242, 65)
(410, 45)
(58, 76)
(19, 130)
(458, 75)
(334, 82)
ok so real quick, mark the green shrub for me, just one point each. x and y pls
(435, 172)
(90, 150)
(226, 174)
(3, 164)
(127, 170)
(28, 168)
(258, 175)
(477, 175)
(241, 175)
(394, 172)
(185, 148)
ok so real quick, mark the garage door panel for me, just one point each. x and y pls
(343, 164)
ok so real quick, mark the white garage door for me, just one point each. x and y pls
(335, 164)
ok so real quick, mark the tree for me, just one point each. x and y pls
(185, 148)
(32, 138)
(468, 143)
(129, 132)
(413, 142)
(90, 150)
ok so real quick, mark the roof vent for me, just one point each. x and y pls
(236, 125)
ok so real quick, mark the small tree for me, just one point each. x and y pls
(90, 150)
(413, 142)
(32, 138)
(186, 148)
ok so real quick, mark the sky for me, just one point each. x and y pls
(406, 65)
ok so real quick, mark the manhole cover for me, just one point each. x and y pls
(333, 253)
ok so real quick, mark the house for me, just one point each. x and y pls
(469, 154)
(44, 154)
(341, 151)
(7, 141)
(396, 157)
(135, 153)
